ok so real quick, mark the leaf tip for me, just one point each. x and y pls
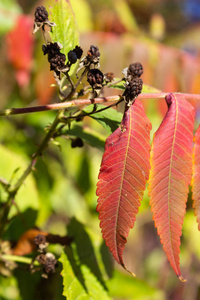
(133, 274)
(182, 279)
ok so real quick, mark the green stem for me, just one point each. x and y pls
(19, 259)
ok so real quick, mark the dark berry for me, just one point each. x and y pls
(72, 57)
(93, 54)
(135, 69)
(133, 89)
(95, 78)
(51, 49)
(78, 50)
(41, 14)
(55, 57)
(77, 143)
(57, 62)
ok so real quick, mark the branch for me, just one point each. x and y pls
(85, 102)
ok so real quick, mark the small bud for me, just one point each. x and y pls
(109, 77)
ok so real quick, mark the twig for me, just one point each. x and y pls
(85, 102)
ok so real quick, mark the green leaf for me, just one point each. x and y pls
(124, 286)
(110, 118)
(65, 31)
(83, 15)
(88, 135)
(82, 277)
(9, 10)
(146, 88)
(27, 196)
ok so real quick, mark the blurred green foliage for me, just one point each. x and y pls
(59, 196)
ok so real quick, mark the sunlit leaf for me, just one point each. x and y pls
(27, 196)
(65, 32)
(110, 118)
(170, 175)
(196, 176)
(82, 278)
(122, 178)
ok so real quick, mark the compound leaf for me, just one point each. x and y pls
(122, 178)
(170, 175)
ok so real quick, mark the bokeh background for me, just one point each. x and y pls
(164, 35)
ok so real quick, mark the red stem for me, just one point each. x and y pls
(84, 102)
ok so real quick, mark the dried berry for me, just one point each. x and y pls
(49, 266)
(41, 19)
(135, 70)
(133, 89)
(55, 57)
(57, 62)
(72, 57)
(40, 239)
(95, 78)
(48, 262)
(51, 49)
(79, 51)
(41, 14)
(93, 52)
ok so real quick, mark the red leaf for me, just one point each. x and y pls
(196, 176)
(20, 48)
(170, 175)
(123, 174)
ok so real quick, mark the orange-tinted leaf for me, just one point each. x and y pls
(170, 175)
(123, 174)
(196, 176)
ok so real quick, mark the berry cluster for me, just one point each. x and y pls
(41, 14)
(133, 89)
(55, 57)
(133, 82)
(47, 260)
(95, 78)
(135, 70)
(41, 19)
